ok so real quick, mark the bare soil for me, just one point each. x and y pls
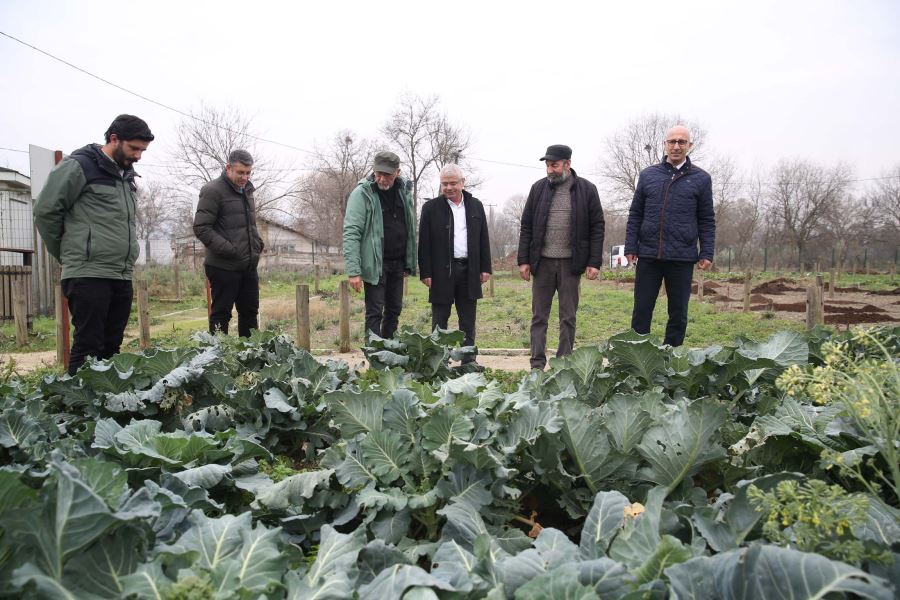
(850, 305)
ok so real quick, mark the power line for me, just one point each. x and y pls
(310, 152)
(152, 101)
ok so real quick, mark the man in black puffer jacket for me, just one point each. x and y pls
(671, 211)
(226, 224)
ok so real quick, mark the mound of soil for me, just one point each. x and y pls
(850, 302)
(857, 317)
(735, 280)
(758, 298)
(776, 286)
(711, 285)
(846, 289)
(852, 309)
(785, 307)
(707, 290)
(893, 292)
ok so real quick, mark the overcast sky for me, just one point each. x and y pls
(768, 80)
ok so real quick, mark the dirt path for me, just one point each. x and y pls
(494, 360)
(25, 362)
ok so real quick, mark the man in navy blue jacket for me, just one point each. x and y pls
(671, 212)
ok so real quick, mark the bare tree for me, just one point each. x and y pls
(322, 195)
(203, 143)
(636, 146)
(154, 212)
(513, 209)
(426, 140)
(849, 225)
(884, 195)
(802, 195)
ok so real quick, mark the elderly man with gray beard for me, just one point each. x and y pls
(561, 237)
(380, 242)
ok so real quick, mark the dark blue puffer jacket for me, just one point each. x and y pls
(671, 211)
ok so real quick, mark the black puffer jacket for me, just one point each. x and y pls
(588, 225)
(671, 211)
(226, 224)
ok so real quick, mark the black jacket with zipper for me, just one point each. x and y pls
(588, 225)
(436, 247)
(226, 224)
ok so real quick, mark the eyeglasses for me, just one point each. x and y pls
(677, 142)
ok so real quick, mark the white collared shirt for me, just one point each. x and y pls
(460, 232)
(679, 165)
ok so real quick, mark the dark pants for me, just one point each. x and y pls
(230, 289)
(649, 274)
(384, 301)
(100, 309)
(465, 306)
(554, 276)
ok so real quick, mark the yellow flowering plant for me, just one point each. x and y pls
(861, 376)
(813, 516)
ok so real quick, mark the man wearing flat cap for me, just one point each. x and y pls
(380, 242)
(560, 239)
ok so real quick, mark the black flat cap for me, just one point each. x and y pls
(558, 152)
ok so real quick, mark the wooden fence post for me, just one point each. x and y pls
(303, 316)
(700, 285)
(63, 348)
(748, 278)
(177, 281)
(316, 288)
(20, 311)
(814, 308)
(405, 286)
(491, 286)
(831, 285)
(143, 302)
(345, 316)
(208, 298)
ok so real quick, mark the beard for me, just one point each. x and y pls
(554, 178)
(121, 158)
(384, 188)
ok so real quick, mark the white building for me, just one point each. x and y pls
(16, 228)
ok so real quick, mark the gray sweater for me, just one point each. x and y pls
(557, 243)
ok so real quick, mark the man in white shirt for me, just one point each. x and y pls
(454, 252)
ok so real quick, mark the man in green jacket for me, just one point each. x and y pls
(380, 242)
(85, 215)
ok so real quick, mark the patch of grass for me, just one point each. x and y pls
(42, 336)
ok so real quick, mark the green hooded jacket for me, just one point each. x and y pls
(85, 215)
(364, 232)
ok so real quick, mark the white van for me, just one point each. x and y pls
(617, 257)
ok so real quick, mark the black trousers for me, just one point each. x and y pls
(649, 274)
(465, 306)
(233, 289)
(100, 309)
(554, 277)
(384, 301)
